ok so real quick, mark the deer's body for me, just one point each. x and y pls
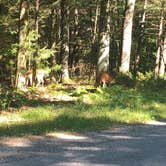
(104, 79)
(40, 74)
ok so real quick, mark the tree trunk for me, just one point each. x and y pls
(95, 23)
(37, 40)
(163, 60)
(95, 35)
(159, 56)
(64, 55)
(104, 38)
(23, 32)
(74, 35)
(140, 35)
(51, 39)
(163, 56)
(127, 36)
(56, 34)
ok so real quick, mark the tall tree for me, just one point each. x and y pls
(104, 37)
(95, 23)
(23, 32)
(139, 35)
(37, 3)
(159, 68)
(74, 35)
(64, 54)
(95, 33)
(127, 36)
(163, 63)
(163, 58)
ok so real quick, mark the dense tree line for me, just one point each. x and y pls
(81, 38)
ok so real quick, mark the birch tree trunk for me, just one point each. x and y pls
(163, 59)
(127, 36)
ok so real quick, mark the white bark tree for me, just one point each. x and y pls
(127, 36)
(163, 59)
(160, 64)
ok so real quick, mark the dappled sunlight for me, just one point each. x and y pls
(53, 94)
(67, 136)
(122, 137)
(9, 118)
(15, 142)
(63, 97)
(156, 123)
(116, 147)
(90, 148)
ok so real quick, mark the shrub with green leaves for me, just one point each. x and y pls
(125, 98)
(117, 97)
(125, 79)
(10, 98)
(147, 80)
(5, 98)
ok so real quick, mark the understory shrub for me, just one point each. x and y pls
(117, 97)
(10, 98)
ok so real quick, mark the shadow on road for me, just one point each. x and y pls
(135, 145)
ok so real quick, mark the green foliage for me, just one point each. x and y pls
(147, 80)
(80, 91)
(125, 98)
(56, 67)
(44, 54)
(145, 77)
(33, 51)
(125, 79)
(117, 97)
(158, 83)
(10, 98)
(5, 99)
(93, 110)
(31, 46)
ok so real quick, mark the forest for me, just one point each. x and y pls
(81, 64)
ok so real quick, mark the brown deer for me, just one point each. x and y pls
(104, 79)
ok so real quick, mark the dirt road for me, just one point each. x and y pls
(136, 145)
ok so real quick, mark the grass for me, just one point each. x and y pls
(84, 109)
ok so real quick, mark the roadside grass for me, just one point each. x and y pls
(91, 109)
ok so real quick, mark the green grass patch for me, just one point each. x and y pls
(94, 109)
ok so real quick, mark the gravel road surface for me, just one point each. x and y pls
(135, 145)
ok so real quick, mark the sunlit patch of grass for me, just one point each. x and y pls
(93, 110)
(38, 115)
(156, 109)
(127, 116)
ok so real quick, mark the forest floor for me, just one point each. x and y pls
(78, 108)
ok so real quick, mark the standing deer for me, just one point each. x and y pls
(40, 74)
(104, 79)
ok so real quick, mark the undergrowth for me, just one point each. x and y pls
(89, 108)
